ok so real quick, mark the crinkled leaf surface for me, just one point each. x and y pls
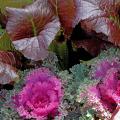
(68, 12)
(32, 29)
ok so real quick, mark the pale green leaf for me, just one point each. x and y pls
(13, 3)
(5, 43)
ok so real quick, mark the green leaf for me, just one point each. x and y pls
(13, 3)
(61, 51)
(5, 43)
(1, 30)
(80, 71)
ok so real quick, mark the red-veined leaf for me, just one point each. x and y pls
(116, 114)
(33, 28)
(95, 13)
(102, 16)
(114, 25)
(99, 25)
(96, 8)
(92, 46)
(8, 64)
(11, 58)
(68, 12)
(7, 73)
